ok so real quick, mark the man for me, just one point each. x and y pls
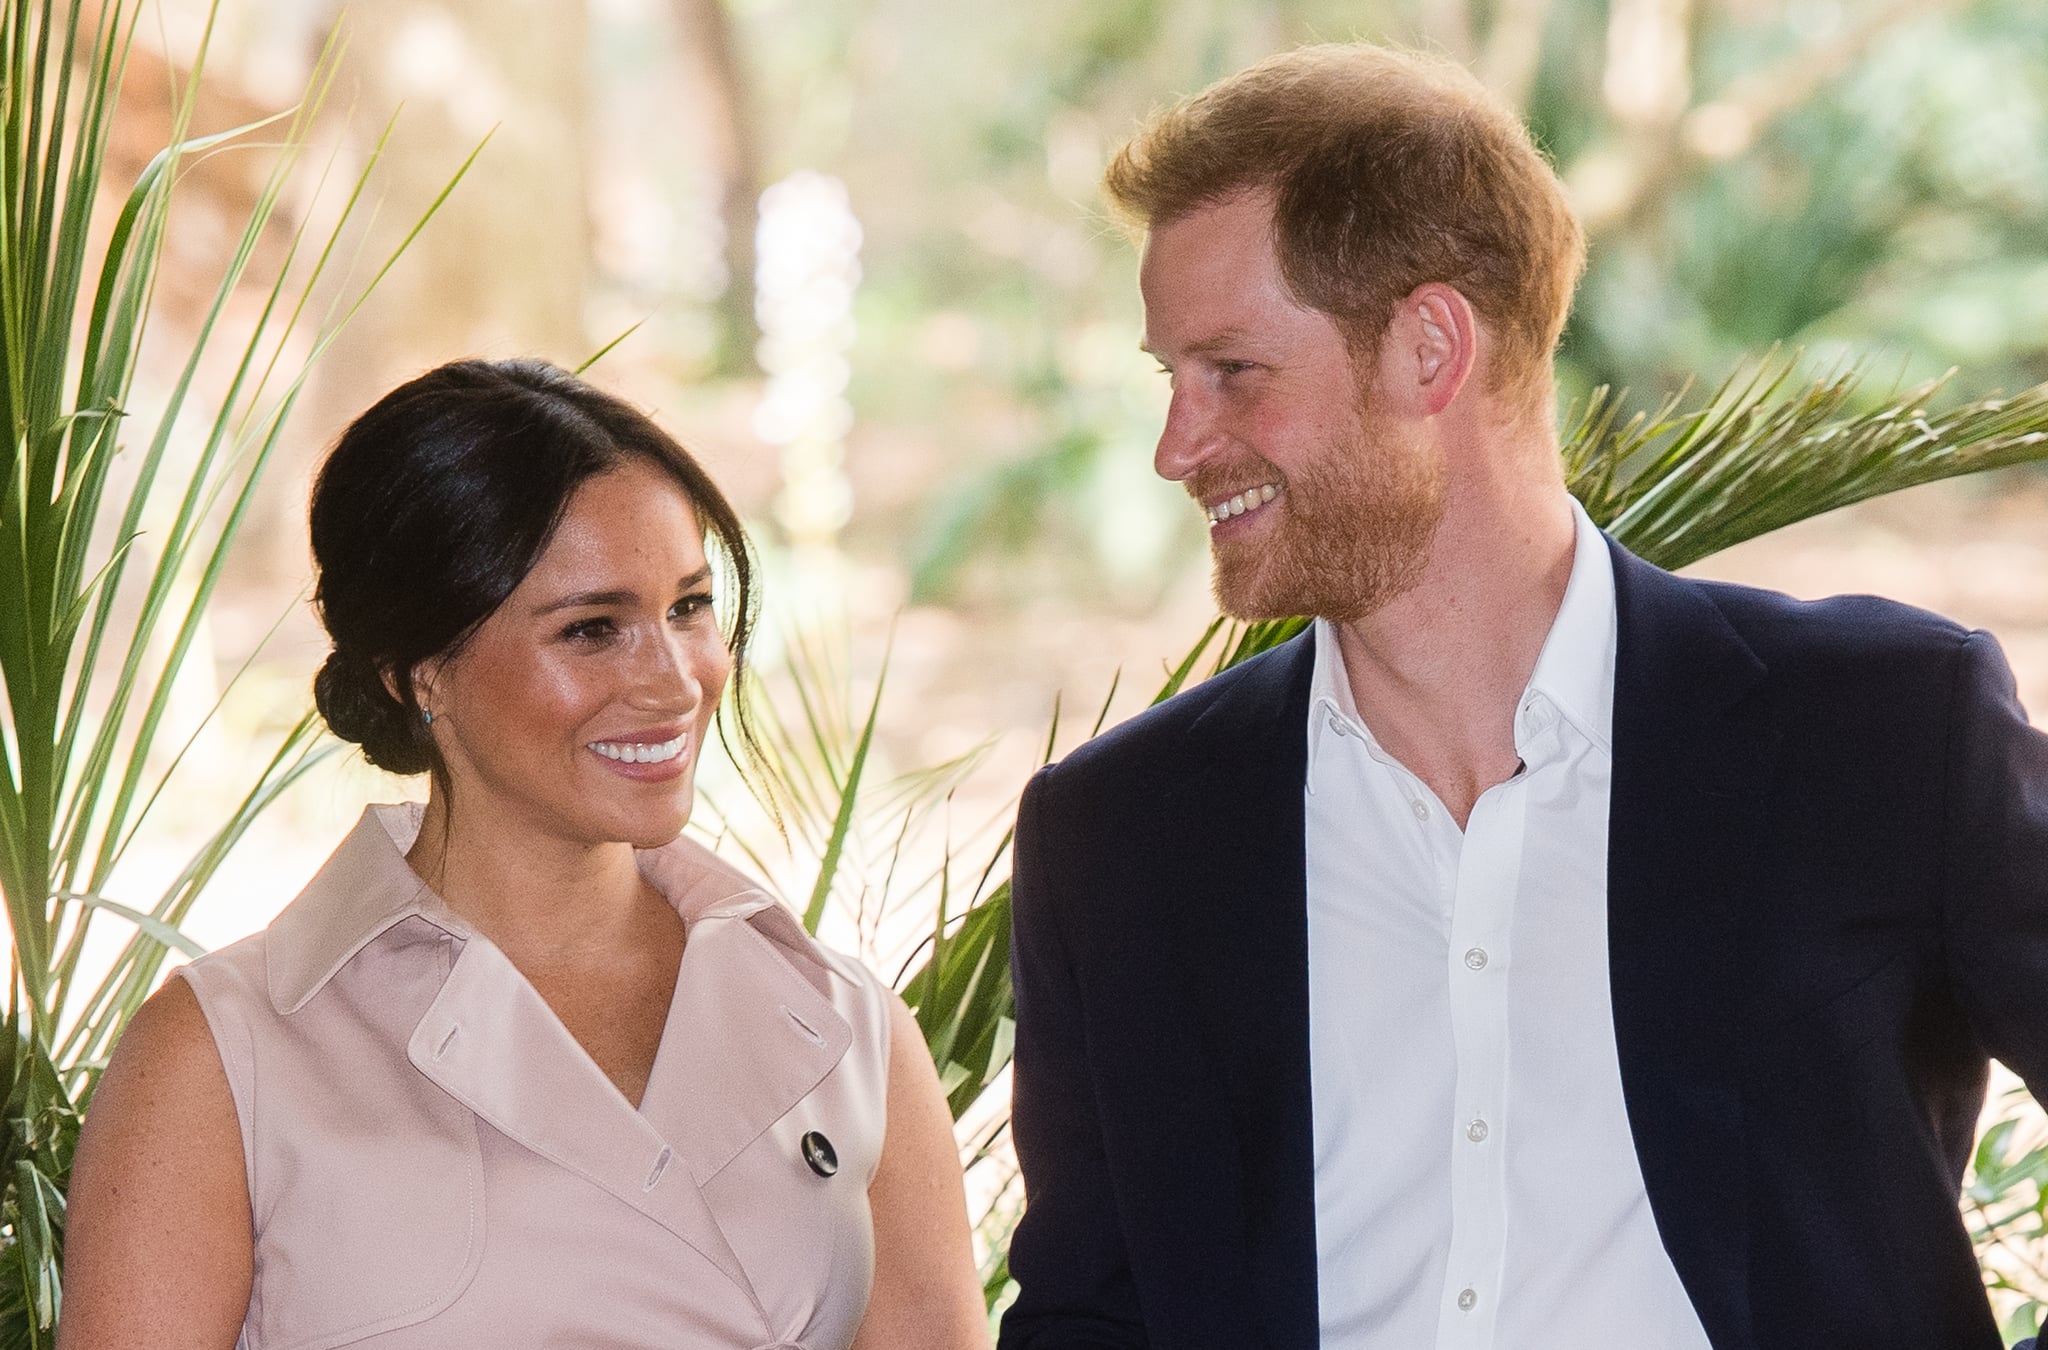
(1544, 951)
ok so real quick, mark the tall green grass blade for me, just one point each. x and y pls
(849, 793)
(154, 927)
(602, 352)
(1178, 676)
(134, 971)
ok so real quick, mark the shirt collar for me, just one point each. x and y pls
(1574, 670)
(366, 888)
(1331, 709)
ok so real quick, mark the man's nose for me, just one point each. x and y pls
(1188, 437)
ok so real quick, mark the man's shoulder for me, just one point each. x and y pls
(1201, 726)
(1786, 631)
(1849, 628)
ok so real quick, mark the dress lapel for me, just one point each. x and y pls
(748, 1038)
(1243, 910)
(490, 1041)
(1693, 762)
(750, 1031)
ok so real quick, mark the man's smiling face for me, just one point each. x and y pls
(1315, 506)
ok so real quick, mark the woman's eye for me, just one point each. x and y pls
(589, 630)
(690, 606)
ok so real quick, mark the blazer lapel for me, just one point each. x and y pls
(1693, 761)
(1246, 923)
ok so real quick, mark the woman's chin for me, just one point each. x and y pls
(657, 828)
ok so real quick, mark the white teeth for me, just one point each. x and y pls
(637, 752)
(1251, 499)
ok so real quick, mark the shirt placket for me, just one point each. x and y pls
(1488, 875)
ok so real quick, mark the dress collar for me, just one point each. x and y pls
(366, 888)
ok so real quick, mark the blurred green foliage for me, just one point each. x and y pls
(1865, 180)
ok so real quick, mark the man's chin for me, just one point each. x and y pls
(1254, 598)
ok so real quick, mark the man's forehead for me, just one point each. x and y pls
(1206, 253)
(1211, 278)
(1236, 225)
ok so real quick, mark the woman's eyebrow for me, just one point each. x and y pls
(586, 599)
(598, 599)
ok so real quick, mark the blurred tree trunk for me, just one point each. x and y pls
(1513, 50)
(716, 82)
(1447, 25)
(500, 271)
(1654, 145)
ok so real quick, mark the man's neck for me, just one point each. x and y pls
(1437, 672)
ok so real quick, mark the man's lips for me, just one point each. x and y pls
(1240, 503)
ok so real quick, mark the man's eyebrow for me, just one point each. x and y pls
(599, 599)
(1229, 337)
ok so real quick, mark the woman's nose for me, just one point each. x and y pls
(667, 676)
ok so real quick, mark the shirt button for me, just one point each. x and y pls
(1421, 810)
(1476, 1131)
(1475, 959)
(1467, 1300)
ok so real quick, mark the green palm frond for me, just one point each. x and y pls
(115, 531)
(35, 1161)
(1765, 451)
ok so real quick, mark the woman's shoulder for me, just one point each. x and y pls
(223, 992)
(168, 1035)
(178, 1244)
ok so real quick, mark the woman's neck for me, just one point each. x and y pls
(534, 894)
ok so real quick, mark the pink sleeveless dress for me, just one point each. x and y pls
(434, 1162)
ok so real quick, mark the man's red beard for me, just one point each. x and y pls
(1349, 531)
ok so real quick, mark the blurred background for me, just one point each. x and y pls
(852, 254)
(861, 268)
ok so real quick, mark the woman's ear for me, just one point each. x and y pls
(421, 678)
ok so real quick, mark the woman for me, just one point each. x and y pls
(522, 1068)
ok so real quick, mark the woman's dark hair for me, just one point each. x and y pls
(437, 502)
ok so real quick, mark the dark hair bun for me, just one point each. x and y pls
(350, 693)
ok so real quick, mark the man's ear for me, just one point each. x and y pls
(1433, 341)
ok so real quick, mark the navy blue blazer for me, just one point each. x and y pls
(1827, 904)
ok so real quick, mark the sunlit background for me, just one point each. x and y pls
(852, 255)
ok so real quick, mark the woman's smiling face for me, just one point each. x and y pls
(578, 708)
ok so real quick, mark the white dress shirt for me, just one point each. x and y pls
(1476, 1183)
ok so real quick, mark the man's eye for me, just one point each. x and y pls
(1232, 367)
